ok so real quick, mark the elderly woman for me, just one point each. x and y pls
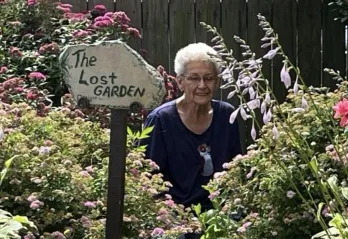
(192, 137)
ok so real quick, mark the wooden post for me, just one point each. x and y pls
(116, 177)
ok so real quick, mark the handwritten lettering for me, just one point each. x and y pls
(103, 85)
(118, 91)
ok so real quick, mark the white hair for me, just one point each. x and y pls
(195, 52)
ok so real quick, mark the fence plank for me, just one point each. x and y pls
(255, 34)
(309, 43)
(133, 10)
(155, 32)
(333, 45)
(109, 4)
(284, 24)
(234, 23)
(181, 25)
(207, 11)
(78, 5)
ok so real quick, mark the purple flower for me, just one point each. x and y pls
(157, 232)
(85, 222)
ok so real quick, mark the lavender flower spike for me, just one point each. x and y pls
(285, 76)
(271, 53)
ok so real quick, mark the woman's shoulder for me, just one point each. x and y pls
(163, 109)
(223, 106)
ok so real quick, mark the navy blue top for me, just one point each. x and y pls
(180, 153)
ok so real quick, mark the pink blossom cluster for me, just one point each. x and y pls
(37, 75)
(64, 7)
(15, 52)
(51, 48)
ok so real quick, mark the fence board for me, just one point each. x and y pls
(78, 5)
(333, 44)
(207, 11)
(234, 22)
(155, 32)
(309, 44)
(255, 33)
(109, 4)
(133, 10)
(181, 25)
(284, 24)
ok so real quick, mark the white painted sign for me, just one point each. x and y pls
(111, 73)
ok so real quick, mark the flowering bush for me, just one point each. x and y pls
(34, 33)
(292, 181)
(58, 178)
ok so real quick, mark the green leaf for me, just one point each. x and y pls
(345, 192)
(147, 131)
(129, 131)
(332, 181)
(197, 209)
(336, 221)
(320, 208)
(314, 164)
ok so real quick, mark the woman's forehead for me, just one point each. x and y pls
(200, 67)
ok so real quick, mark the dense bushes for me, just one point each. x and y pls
(59, 177)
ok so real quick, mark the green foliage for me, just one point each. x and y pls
(58, 178)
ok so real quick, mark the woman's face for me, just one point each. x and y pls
(199, 82)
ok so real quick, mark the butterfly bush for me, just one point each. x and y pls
(58, 179)
(291, 183)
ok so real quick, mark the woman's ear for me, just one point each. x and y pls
(179, 82)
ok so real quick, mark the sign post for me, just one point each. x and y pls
(113, 74)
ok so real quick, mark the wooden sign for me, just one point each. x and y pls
(111, 73)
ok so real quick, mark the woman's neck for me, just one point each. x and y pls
(193, 112)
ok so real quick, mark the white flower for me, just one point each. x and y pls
(2, 134)
(285, 76)
(271, 53)
(231, 94)
(253, 132)
(253, 104)
(275, 133)
(234, 115)
(296, 86)
(304, 103)
(243, 114)
(298, 110)
(263, 107)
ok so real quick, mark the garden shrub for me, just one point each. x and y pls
(292, 183)
(59, 178)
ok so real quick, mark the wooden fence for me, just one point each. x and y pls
(306, 28)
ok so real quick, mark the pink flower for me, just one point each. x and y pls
(341, 111)
(86, 223)
(134, 32)
(31, 2)
(157, 232)
(100, 7)
(57, 235)
(89, 204)
(84, 174)
(169, 203)
(214, 195)
(36, 204)
(3, 69)
(37, 75)
(31, 198)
